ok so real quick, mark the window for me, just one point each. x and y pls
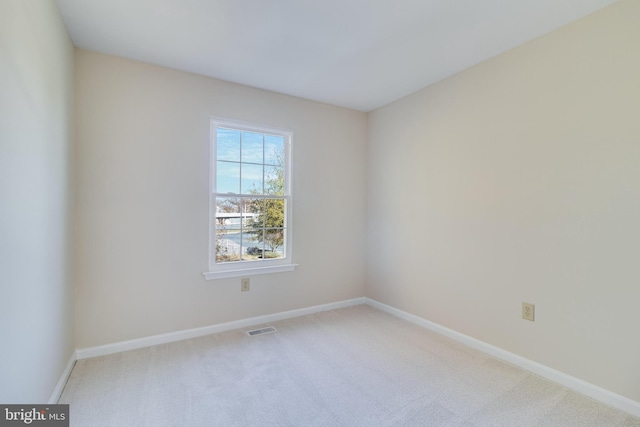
(250, 208)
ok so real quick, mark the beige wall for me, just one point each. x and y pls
(519, 180)
(36, 292)
(143, 171)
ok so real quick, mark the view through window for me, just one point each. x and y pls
(250, 195)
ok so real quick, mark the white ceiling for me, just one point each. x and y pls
(359, 54)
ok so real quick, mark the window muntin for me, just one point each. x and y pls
(251, 197)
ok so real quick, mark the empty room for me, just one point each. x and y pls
(320, 213)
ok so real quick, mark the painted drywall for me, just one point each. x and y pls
(143, 193)
(519, 180)
(36, 291)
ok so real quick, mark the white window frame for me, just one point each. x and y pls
(252, 267)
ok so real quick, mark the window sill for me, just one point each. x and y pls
(210, 275)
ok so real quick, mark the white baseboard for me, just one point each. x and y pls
(117, 347)
(576, 384)
(591, 390)
(57, 391)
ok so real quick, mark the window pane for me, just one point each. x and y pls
(227, 213)
(274, 213)
(249, 241)
(273, 150)
(245, 240)
(274, 180)
(228, 177)
(252, 179)
(254, 214)
(228, 145)
(274, 243)
(227, 246)
(252, 147)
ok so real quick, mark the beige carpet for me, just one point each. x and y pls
(350, 367)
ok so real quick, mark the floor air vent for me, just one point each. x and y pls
(266, 330)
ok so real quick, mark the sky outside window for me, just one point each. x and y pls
(246, 159)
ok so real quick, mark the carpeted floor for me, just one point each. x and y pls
(350, 367)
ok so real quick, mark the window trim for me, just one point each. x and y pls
(248, 268)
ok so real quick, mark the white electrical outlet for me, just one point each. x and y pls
(528, 311)
(245, 284)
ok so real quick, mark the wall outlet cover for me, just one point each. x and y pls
(528, 311)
